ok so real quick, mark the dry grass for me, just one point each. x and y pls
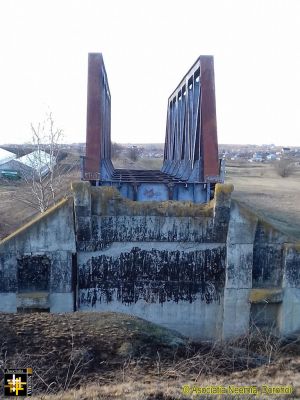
(114, 356)
(141, 163)
(271, 196)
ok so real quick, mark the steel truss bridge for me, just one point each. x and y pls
(191, 166)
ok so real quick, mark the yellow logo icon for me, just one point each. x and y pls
(17, 382)
(15, 385)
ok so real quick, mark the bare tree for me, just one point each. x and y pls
(41, 170)
(133, 153)
(284, 167)
(116, 149)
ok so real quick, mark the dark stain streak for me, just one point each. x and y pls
(292, 268)
(109, 229)
(153, 276)
(33, 273)
(267, 266)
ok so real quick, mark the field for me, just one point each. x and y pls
(261, 188)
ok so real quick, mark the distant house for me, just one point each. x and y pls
(7, 160)
(285, 150)
(257, 157)
(38, 162)
(6, 156)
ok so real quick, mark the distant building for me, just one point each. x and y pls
(40, 161)
(7, 160)
(6, 156)
(257, 157)
(36, 162)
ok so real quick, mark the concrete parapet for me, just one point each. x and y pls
(44, 232)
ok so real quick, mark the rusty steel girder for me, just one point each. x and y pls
(98, 127)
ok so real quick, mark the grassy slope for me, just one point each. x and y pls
(271, 196)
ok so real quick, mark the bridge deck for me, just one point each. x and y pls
(134, 175)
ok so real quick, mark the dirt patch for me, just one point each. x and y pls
(61, 347)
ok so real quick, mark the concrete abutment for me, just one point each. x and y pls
(207, 270)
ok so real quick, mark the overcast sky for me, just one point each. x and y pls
(148, 46)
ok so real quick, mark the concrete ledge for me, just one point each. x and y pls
(33, 300)
(292, 247)
(107, 201)
(274, 295)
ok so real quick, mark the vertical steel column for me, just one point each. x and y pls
(209, 139)
(94, 118)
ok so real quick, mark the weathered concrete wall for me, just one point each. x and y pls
(267, 277)
(156, 282)
(239, 263)
(36, 263)
(207, 270)
(161, 261)
(289, 313)
(261, 277)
